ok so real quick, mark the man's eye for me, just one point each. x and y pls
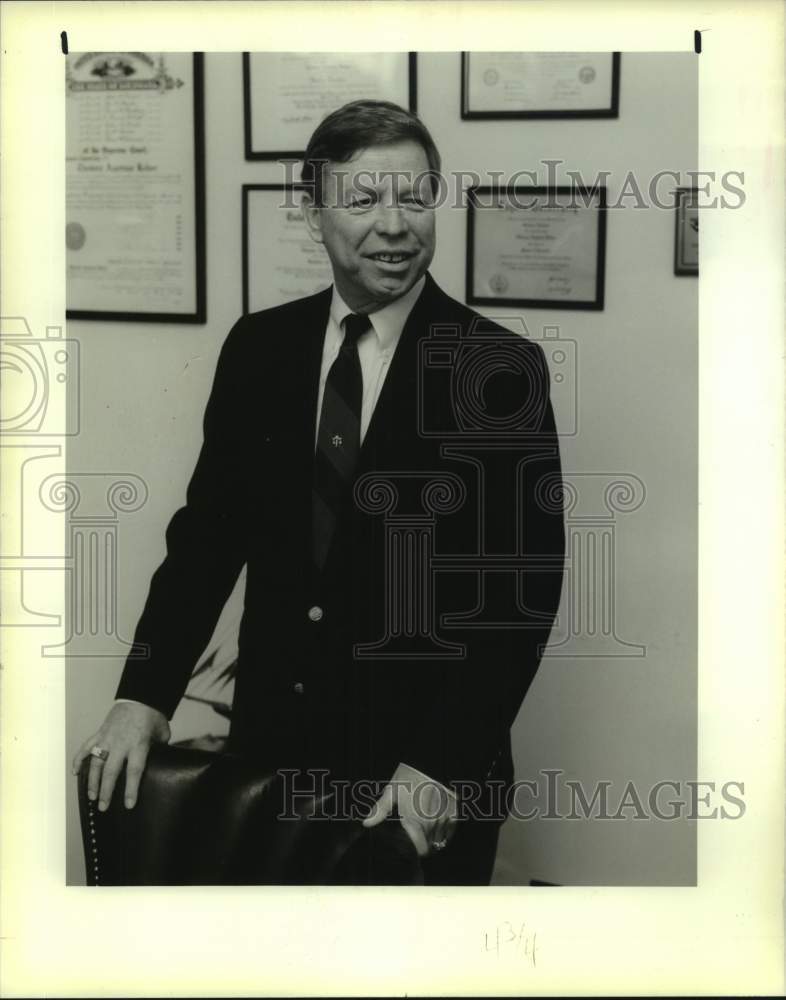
(415, 203)
(360, 201)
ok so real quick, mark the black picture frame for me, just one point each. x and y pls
(595, 304)
(296, 154)
(611, 112)
(200, 262)
(246, 191)
(684, 266)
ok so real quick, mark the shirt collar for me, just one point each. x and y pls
(388, 322)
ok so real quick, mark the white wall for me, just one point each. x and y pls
(145, 386)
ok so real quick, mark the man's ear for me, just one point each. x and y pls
(312, 216)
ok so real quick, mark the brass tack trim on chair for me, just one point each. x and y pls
(93, 842)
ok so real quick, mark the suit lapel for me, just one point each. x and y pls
(305, 379)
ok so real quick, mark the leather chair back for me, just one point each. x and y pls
(207, 818)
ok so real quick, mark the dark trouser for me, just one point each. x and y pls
(386, 856)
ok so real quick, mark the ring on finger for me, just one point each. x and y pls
(99, 753)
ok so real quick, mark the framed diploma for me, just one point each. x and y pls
(540, 85)
(135, 187)
(686, 237)
(287, 94)
(543, 247)
(280, 260)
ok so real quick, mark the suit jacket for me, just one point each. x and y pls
(429, 624)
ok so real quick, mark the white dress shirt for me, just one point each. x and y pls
(376, 347)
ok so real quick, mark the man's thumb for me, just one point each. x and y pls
(381, 809)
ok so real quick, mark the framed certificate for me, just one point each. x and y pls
(280, 260)
(135, 187)
(540, 85)
(542, 247)
(287, 94)
(686, 235)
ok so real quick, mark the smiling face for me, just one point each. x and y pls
(376, 222)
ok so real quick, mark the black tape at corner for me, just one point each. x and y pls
(64, 42)
(697, 42)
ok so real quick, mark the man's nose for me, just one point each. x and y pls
(391, 220)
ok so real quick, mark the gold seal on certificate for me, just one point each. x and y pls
(540, 84)
(536, 246)
(75, 235)
(498, 283)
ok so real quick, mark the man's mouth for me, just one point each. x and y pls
(392, 258)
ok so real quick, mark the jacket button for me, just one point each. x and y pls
(315, 613)
(298, 688)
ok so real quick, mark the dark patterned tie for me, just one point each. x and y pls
(338, 438)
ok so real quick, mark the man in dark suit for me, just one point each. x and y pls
(385, 463)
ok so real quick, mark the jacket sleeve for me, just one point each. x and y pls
(458, 720)
(205, 547)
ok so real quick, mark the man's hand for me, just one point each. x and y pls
(127, 733)
(426, 808)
